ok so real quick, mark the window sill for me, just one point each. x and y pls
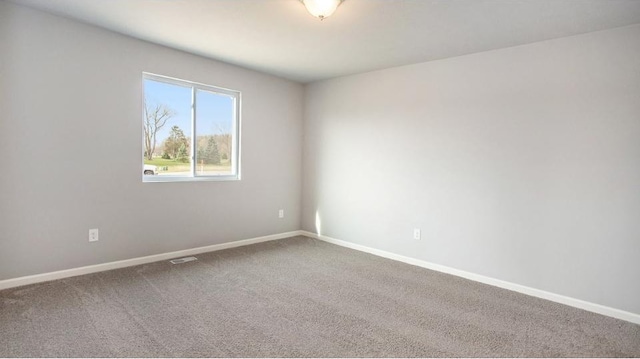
(165, 178)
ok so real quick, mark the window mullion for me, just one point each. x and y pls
(193, 132)
(235, 136)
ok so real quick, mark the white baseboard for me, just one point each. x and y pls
(573, 302)
(45, 277)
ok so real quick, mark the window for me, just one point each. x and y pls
(190, 131)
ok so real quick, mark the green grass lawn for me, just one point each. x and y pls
(165, 166)
(158, 161)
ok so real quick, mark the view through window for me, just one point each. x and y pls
(190, 131)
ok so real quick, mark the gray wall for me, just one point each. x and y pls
(71, 144)
(521, 164)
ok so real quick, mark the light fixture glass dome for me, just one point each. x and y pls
(321, 8)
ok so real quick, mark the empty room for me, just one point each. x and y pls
(320, 178)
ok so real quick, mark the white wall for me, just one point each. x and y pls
(71, 144)
(521, 164)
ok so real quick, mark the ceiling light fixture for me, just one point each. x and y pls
(321, 8)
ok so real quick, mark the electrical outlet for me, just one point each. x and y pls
(416, 233)
(281, 213)
(93, 235)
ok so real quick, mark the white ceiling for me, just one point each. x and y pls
(281, 38)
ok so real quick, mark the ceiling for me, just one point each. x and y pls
(279, 37)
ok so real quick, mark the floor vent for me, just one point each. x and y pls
(183, 260)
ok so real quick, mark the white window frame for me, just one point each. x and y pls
(235, 138)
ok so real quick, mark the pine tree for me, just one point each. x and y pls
(183, 155)
(174, 142)
(211, 153)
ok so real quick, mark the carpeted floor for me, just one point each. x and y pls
(296, 297)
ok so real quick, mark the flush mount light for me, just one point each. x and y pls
(321, 8)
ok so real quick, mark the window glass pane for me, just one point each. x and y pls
(215, 115)
(167, 129)
(191, 131)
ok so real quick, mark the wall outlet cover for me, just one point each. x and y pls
(93, 235)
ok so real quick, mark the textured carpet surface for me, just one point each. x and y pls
(295, 297)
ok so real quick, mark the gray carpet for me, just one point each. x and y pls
(296, 297)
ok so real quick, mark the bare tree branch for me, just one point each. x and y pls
(155, 117)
